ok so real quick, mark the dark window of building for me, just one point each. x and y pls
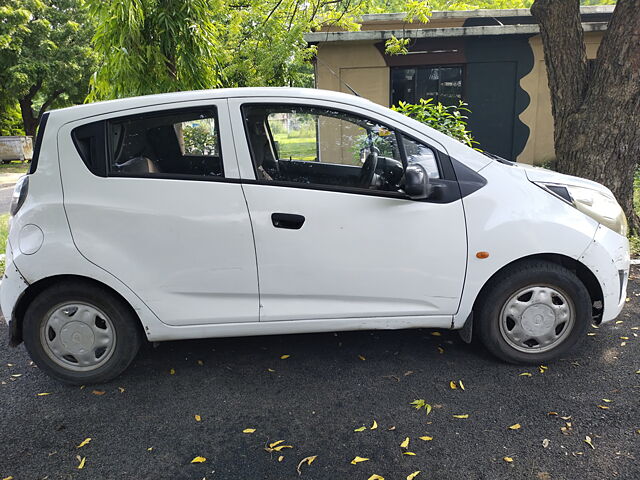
(443, 84)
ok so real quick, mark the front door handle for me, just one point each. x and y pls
(287, 220)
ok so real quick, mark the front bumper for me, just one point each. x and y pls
(608, 258)
(12, 287)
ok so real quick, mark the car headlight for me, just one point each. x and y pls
(599, 205)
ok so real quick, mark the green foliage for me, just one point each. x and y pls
(199, 139)
(45, 55)
(450, 120)
(396, 46)
(10, 120)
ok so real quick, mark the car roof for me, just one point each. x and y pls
(98, 108)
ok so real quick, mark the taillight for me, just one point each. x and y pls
(19, 194)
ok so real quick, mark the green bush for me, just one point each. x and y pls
(448, 119)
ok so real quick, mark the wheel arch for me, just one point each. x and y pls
(584, 274)
(34, 289)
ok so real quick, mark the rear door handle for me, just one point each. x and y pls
(287, 220)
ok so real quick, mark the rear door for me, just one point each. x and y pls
(152, 196)
(333, 241)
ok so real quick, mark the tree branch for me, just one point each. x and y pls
(48, 102)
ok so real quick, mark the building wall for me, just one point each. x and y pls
(530, 135)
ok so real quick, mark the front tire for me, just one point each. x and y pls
(533, 312)
(80, 333)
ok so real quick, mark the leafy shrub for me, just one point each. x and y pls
(450, 120)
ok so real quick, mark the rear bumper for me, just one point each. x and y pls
(608, 258)
(12, 287)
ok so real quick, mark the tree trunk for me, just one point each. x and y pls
(596, 111)
(29, 119)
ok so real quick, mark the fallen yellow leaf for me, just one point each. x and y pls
(280, 458)
(552, 413)
(405, 443)
(361, 358)
(516, 426)
(84, 442)
(358, 460)
(248, 430)
(426, 438)
(452, 385)
(408, 453)
(525, 374)
(199, 460)
(197, 417)
(466, 415)
(8, 478)
(284, 357)
(280, 447)
(81, 464)
(200, 362)
(543, 368)
(603, 407)
(360, 429)
(149, 449)
(375, 477)
(307, 460)
(461, 384)
(507, 459)
(98, 392)
(43, 394)
(440, 350)
(589, 442)
(270, 370)
(413, 475)
(121, 389)
(607, 400)
(172, 371)
(436, 334)
(271, 445)
(374, 426)
(16, 375)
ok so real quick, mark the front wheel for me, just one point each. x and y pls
(79, 333)
(533, 312)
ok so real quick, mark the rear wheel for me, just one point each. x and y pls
(533, 312)
(80, 333)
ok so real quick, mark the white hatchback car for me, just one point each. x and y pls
(276, 210)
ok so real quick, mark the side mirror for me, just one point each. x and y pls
(416, 182)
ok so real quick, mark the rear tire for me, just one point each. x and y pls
(533, 312)
(80, 333)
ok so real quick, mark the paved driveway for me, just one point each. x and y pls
(143, 425)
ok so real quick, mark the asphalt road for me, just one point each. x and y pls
(143, 426)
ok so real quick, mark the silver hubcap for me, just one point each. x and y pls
(78, 336)
(536, 319)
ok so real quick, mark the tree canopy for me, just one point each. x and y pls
(45, 57)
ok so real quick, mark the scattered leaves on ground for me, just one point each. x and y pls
(248, 430)
(375, 477)
(200, 362)
(405, 443)
(98, 392)
(546, 442)
(361, 357)
(542, 368)
(515, 426)
(358, 460)
(466, 415)
(413, 475)
(452, 385)
(197, 417)
(307, 460)
(284, 357)
(121, 389)
(421, 403)
(199, 460)
(43, 394)
(440, 349)
(507, 459)
(172, 371)
(360, 429)
(84, 442)
(408, 453)
(525, 374)
(426, 438)
(82, 461)
(374, 426)
(589, 442)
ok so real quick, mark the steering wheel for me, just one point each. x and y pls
(368, 170)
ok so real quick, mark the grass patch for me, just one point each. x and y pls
(297, 148)
(14, 167)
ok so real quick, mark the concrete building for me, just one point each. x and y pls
(491, 59)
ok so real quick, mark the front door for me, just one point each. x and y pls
(335, 238)
(158, 204)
